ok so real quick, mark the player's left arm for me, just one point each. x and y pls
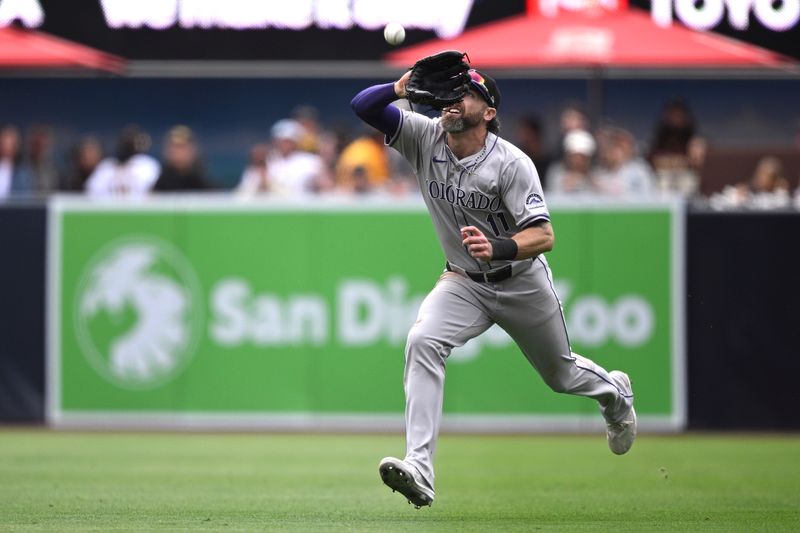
(536, 239)
(523, 197)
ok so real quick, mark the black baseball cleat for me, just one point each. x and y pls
(405, 479)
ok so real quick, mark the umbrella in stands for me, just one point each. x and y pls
(25, 49)
(594, 38)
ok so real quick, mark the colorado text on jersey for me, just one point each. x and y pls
(457, 196)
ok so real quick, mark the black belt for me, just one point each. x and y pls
(492, 276)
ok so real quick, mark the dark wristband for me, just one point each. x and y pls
(504, 249)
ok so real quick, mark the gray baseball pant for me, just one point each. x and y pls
(458, 309)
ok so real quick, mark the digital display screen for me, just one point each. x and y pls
(770, 24)
(348, 29)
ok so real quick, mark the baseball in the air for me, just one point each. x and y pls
(394, 33)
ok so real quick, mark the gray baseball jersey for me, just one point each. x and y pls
(496, 190)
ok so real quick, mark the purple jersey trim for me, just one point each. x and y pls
(530, 221)
(560, 307)
(496, 138)
(390, 139)
(372, 105)
(569, 344)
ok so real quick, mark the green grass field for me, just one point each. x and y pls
(85, 481)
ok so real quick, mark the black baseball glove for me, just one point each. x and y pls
(439, 80)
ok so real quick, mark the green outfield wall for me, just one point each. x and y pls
(212, 312)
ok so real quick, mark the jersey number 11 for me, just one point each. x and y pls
(490, 220)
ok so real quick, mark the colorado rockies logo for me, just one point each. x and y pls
(534, 200)
(456, 196)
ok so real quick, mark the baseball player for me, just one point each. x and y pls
(490, 215)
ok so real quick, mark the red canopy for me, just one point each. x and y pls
(626, 39)
(20, 48)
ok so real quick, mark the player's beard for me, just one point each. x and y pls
(462, 122)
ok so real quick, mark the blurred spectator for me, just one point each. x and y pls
(182, 169)
(571, 174)
(768, 176)
(797, 198)
(768, 188)
(363, 164)
(255, 178)
(677, 153)
(291, 171)
(43, 171)
(317, 139)
(530, 139)
(15, 178)
(307, 117)
(621, 172)
(82, 160)
(572, 118)
(359, 183)
(131, 172)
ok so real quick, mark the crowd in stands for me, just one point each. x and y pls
(300, 157)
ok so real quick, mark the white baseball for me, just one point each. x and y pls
(394, 33)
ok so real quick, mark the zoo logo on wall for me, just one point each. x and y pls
(138, 312)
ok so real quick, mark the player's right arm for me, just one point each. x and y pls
(373, 105)
(400, 85)
(412, 134)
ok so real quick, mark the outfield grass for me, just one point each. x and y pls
(62, 481)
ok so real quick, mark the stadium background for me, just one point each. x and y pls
(229, 86)
(732, 317)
